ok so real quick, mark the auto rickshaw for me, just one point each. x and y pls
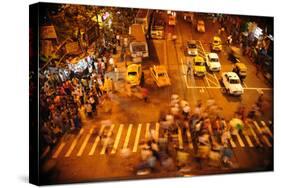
(241, 70)
(234, 54)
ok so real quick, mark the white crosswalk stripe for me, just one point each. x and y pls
(117, 139)
(96, 141)
(249, 141)
(253, 133)
(188, 134)
(240, 140)
(129, 136)
(147, 131)
(108, 137)
(267, 128)
(57, 152)
(157, 126)
(180, 138)
(80, 152)
(266, 141)
(68, 153)
(137, 138)
(232, 143)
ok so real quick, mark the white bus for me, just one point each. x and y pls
(138, 45)
(143, 17)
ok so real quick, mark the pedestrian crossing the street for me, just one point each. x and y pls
(110, 139)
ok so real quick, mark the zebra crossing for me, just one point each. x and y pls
(88, 142)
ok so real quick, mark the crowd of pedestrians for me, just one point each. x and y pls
(66, 102)
(210, 136)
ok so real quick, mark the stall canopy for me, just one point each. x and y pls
(77, 65)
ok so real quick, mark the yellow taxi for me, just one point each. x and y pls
(216, 44)
(133, 75)
(198, 66)
(160, 75)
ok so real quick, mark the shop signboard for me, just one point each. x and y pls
(48, 32)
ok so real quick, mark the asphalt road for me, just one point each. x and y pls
(81, 156)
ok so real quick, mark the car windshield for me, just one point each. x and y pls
(234, 81)
(191, 45)
(138, 48)
(216, 42)
(199, 63)
(214, 59)
(161, 74)
(132, 73)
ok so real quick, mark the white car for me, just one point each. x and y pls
(212, 61)
(191, 48)
(232, 83)
(160, 75)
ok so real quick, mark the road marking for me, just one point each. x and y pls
(207, 81)
(180, 138)
(245, 85)
(117, 139)
(137, 138)
(185, 79)
(240, 140)
(218, 83)
(190, 145)
(218, 87)
(266, 127)
(183, 71)
(147, 131)
(214, 83)
(157, 131)
(249, 141)
(127, 136)
(263, 136)
(97, 140)
(108, 136)
(232, 142)
(80, 152)
(46, 151)
(74, 143)
(254, 134)
(56, 154)
(165, 53)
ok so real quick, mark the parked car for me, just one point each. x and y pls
(241, 70)
(232, 83)
(160, 75)
(216, 44)
(191, 48)
(133, 75)
(212, 61)
(199, 68)
(201, 26)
